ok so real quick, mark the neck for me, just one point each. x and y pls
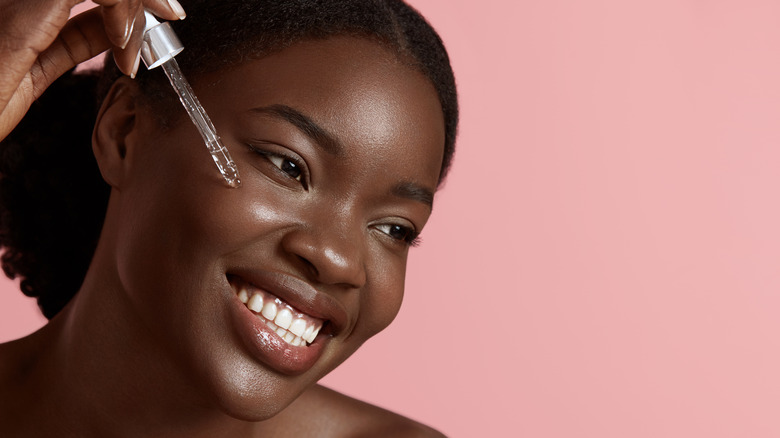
(95, 370)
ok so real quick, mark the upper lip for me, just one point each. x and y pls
(299, 294)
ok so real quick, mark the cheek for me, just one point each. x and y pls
(162, 259)
(253, 217)
(382, 301)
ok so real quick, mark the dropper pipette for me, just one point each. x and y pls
(159, 47)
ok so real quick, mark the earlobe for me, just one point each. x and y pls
(115, 131)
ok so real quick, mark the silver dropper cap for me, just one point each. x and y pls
(160, 43)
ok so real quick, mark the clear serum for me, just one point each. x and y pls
(160, 46)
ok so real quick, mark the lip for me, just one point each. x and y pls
(267, 346)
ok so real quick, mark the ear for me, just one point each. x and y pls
(115, 131)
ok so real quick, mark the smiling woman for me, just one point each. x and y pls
(179, 306)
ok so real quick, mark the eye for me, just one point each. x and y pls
(287, 166)
(401, 233)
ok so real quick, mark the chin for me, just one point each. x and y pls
(240, 387)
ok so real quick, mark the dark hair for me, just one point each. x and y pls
(52, 197)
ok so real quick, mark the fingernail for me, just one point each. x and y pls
(177, 9)
(125, 37)
(136, 65)
(129, 26)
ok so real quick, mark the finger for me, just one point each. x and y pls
(119, 15)
(27, 29)
(128, 59)
(118, 22)
(165, 9)
(126, 53)
(82, 38)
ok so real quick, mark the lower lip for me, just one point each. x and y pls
(266, 346)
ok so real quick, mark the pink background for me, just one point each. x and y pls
(603, 260)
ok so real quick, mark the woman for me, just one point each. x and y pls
(341, 118)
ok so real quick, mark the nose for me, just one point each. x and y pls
(327, 252)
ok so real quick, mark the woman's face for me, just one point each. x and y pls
(339, 147)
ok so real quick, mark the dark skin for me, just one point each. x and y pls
(150, 345)
(44, 44)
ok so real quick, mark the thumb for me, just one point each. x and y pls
(82, 38)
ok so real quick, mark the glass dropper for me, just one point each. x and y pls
(160, 46)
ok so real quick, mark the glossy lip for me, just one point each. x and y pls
(263, 343)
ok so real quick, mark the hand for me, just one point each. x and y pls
(38, 44)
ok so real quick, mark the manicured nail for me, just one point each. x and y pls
(177, 9)
(125, 37)
(136, 65)
(129, 26)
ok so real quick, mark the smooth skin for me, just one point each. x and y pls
(147, 347)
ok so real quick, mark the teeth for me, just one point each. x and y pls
(298, 327)
(255, 303)
(313, 334)
(284, 318)
(307, 334)
(269, 311)
(295, 328)
(243, 295)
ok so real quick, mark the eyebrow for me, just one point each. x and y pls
(324, 139)
(415, 192)
(306, 125)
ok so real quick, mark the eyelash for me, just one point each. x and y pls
(272, 156)
(410, 238)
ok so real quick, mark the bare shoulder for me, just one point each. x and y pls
(16, 397)
(339, 415)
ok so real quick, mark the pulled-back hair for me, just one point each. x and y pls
(52, 197)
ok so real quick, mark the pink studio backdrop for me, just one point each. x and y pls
(603, 261)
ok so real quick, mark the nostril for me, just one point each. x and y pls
(325, 256)
(309, 266)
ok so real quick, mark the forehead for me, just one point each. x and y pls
(359, 91)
